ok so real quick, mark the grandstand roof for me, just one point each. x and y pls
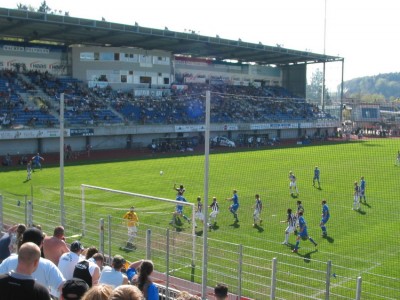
(67, 30)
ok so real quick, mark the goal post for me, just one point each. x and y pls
(114, 199)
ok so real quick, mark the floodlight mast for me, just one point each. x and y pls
(62, 210)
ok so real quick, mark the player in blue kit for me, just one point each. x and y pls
(362, 189)
(179, 210)
(325, 218)
(235, 205)
(316, 177)
(302, 234)
(36, 162)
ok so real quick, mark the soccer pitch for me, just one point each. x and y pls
(364, 242)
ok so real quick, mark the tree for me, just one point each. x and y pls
(44, 8)
(314, 89)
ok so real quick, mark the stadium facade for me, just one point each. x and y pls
(93, 61)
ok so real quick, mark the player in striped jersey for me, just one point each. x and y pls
(214, 212)
(199, 211)
(181, 189)
(303, 234)
(291, 222)
(292, 183)
(257, 211)
(356, 196)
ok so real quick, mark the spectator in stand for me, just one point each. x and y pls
(68, 260)
(113, 275)
(74, 289)
(87, 269)
(20, 284)
(183, 295)
(55, 246)
(142, 279)
(10, 241)
(98, 292)
(126, 292)
(221, 292)
(46, 273)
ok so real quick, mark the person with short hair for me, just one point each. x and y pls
(36, 162)
(69, 260)
(179, 210)
(74, 289)
(126, 292)
(214, 213)
(46, 273)
(98, 292)
(362, 189)
(257, 211)
(10, 241)
(325, 218)
(20, 284)
(316, 177)
(233, 208)
(291, 220)
(302, 234)
(113, 275)
(55, 246)
(292, 183)
(199, 211)
(356, 196)
(221, 291)
(132, 222)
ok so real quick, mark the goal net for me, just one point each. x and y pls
(154, 213)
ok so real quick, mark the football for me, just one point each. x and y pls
(161, 172)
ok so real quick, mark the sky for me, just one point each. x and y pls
(364, 32)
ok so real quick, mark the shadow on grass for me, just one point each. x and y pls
(361, 212)
(329, 239)
(307, 256)
(366, 204)
(259, 228)
(235, 224)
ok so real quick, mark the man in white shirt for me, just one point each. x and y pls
(113, 275)
(68, 260)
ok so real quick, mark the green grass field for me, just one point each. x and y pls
(364, 243)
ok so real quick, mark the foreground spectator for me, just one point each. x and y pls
(20, 284)
(55, 246)
(74, 289)
(113, 275)
(69, 260)
(46, 273)
(126, 292)
(10, 241)
(89, 269)
(187, 296)
(221, 292)
(144, 283)
(98, 292)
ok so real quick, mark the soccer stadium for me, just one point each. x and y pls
(212, 141)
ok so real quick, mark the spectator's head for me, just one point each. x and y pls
(77, 247)
(98, 259)
(28, 258)
(91, 251)
(118, 262)
(132, 208)
(59, 232)
(33, 235)
(98, 292)
(146, 268)
(221, 291)
(126, 292)
(21, 229)
(74, 289)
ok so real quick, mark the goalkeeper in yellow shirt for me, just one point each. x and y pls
(132, 222)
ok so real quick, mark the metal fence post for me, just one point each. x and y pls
(328, 279)
(273, 278)
(240, 265)
(25, 209)
(167, 264)
(148, 244)
(101, 244)
(30, 214)
(1, 213)
(358, 291)
(109, 239)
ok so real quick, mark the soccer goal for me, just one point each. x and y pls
(151, 210)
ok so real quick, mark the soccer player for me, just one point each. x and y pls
(300, 207)
(292, 183)
(316, 177)
(356, 196)
(132, 222)
(199, 211)
(36, 161)
(179, 210)
(397, 159)
(28, 170)
(325, 218)
(303, 234)
(181, 189)
(214, 212)
(291, 222)
(362, 189)
(235, 205)
(257, 211)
